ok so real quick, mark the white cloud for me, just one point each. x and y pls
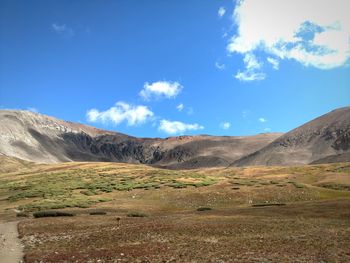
(221, 11)
(225, 125)
(267, 129)
(274, 62)
(220, 66)
(262, 120)
(177, 127)
(252, 69)
(313, 32)
(249, 76)
(62, 30)
(180, 107)
(132, 114)
(160, 89)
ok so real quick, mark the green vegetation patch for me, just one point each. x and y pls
(45, 204)
(334, 186)
(82, 187)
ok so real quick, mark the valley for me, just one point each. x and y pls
(137, 213)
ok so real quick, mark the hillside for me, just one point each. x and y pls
(40, 138)
(324, 139)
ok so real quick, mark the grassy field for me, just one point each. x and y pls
(136, 213)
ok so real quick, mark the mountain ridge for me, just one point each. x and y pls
(40, 138)
(324, 136)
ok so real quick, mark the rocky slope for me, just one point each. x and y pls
(39, 138)
(324, 139)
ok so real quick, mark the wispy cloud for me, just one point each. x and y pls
(314, 33)
(180, 107)
(225, 125)
(190, 111)
(252, 70)
(160, 89)
(267, 129)
(220, 66)
(63, 30)
(221, 11)
(245, 113)
(131, 114)
(178, 127)
(262, 119)
(274, 62)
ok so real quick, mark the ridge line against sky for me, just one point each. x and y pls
(214, 67)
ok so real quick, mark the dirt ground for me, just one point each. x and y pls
(302, 232)
(11, 249)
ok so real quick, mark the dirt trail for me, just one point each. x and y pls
(11, 250)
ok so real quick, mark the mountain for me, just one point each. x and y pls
(40, 138)
(322, 140)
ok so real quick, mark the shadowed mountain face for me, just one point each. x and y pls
(39, 138)
(322, 140)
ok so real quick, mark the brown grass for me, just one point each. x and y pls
(312, 226)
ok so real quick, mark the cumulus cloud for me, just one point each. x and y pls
(177, 127)
(62, 30)
(221, 11)
(131, 114)
(180, 107)
(252, 69)
(160, 89)
(314, 32)
(225, 125)
(262, 120)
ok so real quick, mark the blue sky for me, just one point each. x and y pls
(161, 68)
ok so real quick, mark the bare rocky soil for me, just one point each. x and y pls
(11, 249)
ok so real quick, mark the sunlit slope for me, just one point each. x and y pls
(34, 187)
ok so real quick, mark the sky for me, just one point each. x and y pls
(162, 68)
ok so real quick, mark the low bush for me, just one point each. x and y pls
(204, 209)
(268, 204)
(87, 193)
(136, 214)
(97, 213)
(51, 214)
(298, 185)
(22, 214)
